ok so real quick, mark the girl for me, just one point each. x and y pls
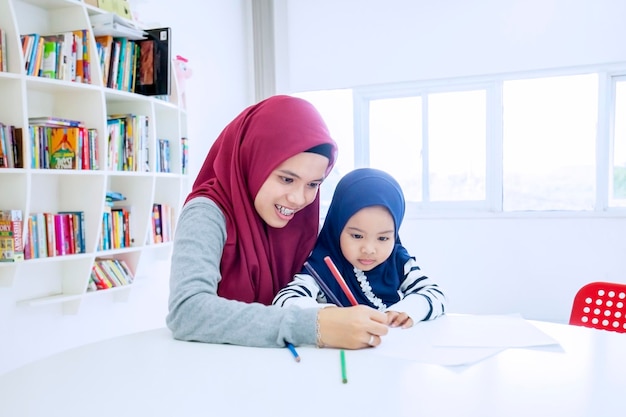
(360, 235)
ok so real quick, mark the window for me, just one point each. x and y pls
(617, 179)
(442, 138)
(506, 144)
(549, 139)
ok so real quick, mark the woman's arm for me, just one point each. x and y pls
(197, 313)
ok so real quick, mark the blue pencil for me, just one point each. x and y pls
(322, 285)
(293, 351)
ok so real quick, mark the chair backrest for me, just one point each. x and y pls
(600, 305)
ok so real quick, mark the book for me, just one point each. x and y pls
(30, 238)
(11, 237)
(29, 47)
(121, 8)
(7, 243)
(110, 24)
(77, 220)
(54, 121)
(122, 226)
(114, 272)
(100, 276)
(18, 147)
(5, 161)
(121, 68)
(61, 230)
(105, 42)
(184, 141)
(3, 51)
(42, 236)
(64, 147)
(67, 57)
(78, 53)
(115, 61)
(35, 66)
(128, 273)
(28, 254)
(153, 69)
(49, 63)
(50, 234)
(157, 233)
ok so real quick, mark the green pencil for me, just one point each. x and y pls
(344, 376)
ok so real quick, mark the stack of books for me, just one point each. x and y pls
(114, 25)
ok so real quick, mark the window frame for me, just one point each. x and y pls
(493, 85)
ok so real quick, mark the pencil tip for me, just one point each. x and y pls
(345, 381)
(298, 359)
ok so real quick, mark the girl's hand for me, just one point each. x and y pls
(351, 327)
(397, 319)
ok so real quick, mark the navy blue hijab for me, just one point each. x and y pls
(358, 189)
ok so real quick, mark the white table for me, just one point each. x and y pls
(150, 374)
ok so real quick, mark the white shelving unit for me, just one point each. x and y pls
(64, 279)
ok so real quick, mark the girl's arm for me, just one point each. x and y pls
(422, 299)
(302, 291)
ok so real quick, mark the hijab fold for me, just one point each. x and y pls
(259, 260)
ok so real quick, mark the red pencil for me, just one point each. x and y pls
(340, 280)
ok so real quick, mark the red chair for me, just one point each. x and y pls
(601, 305)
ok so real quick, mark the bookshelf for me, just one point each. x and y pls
(65, 279)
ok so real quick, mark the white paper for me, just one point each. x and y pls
(505, 331)
(454, 340)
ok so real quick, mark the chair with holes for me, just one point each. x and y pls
(601, 305)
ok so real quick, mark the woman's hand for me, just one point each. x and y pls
(398, 319)
(351, 327)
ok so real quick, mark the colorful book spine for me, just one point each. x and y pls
(12, 238)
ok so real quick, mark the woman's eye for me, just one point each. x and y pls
(355, 236)
(314, 185)
(383, 238)
(286, 180)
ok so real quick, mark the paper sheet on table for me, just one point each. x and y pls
(454, 340)
(505, 331)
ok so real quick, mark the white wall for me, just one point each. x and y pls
(214, 36)
(498, 263)
(337, 44)
(531, 266)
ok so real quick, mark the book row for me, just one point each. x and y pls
(141, 66)
(109, 273)
(11, 146)
(119, 58)
(63, 233)
(62, 56)
(54, 234)
(162, 223)
(115, 229)
(46, 235)
(163, 156)
(57, 143)
(128, 142)
(63, 147)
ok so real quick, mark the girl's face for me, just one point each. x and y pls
(290, 187)
(368, 238)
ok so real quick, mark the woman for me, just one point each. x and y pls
(248, 225)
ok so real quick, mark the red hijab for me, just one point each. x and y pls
(259, 260)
